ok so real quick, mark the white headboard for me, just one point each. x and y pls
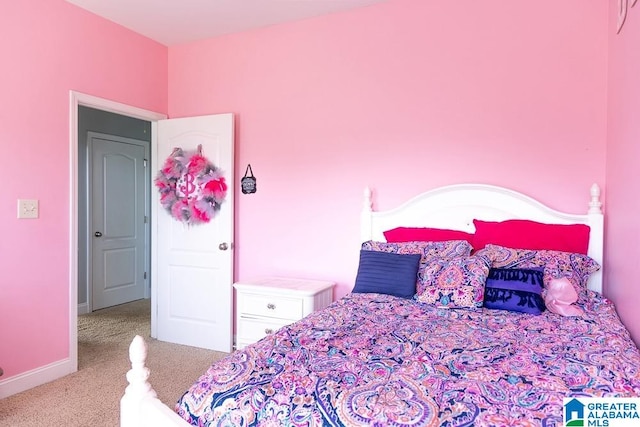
(455, 206)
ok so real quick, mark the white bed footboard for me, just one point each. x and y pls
(140, 406)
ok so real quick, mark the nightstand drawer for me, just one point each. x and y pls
(271, 306)
(265, 305)
(255, 329)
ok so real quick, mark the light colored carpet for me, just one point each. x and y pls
(91, 396)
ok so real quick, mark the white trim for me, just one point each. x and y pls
(76, 99)
(36, 377)
(153, 269)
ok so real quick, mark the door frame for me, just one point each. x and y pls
(76, 99)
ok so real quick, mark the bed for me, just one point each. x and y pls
(429, 359)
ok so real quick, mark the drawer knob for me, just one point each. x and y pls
(271, 306)
(268, 331)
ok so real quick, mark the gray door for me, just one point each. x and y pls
(118, 219)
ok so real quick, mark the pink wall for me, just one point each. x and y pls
(48, 48)
(402, 96)
(622, 246)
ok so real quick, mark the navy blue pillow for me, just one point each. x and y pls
(387, 273)
(515, 289)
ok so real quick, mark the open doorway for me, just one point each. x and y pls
(113, 209)
(78, 225)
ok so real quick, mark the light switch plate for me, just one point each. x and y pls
(27, 208)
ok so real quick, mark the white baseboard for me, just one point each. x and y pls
(83, 308)
(36, 377)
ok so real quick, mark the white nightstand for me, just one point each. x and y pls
(265, 305)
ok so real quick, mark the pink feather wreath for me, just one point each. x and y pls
(191, 188)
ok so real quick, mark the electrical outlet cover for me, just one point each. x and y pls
(27, 208)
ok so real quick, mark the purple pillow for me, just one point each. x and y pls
(515, 289)
(387, 273)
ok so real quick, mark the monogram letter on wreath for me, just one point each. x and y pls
(191, 188)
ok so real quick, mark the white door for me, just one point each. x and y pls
(192, 265)
(117, 227)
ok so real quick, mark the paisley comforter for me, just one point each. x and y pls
(379, 360)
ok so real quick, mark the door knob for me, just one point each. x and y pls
(98, 234)
(223, 246)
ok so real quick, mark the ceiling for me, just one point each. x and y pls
(173, 22)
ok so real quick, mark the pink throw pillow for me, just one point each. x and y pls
(525, 234)
(560, 296)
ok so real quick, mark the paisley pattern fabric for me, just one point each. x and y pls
(455, 283)
(429, 251)
(380, 360)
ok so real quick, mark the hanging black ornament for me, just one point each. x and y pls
(248, 182)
